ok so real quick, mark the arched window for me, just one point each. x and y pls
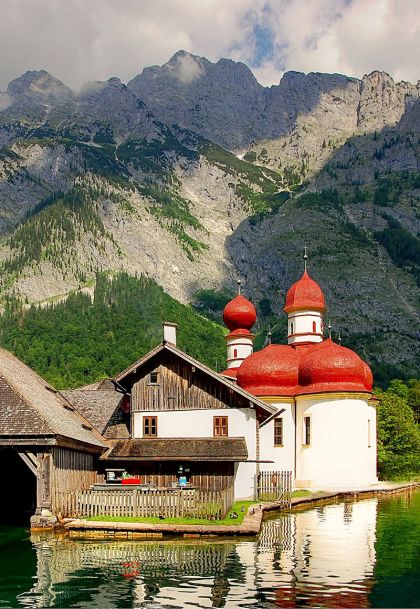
(314, 327)
(235, 353)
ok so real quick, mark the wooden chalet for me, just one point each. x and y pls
(47, 448)
(169, 417)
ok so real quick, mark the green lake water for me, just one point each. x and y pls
(359, 554)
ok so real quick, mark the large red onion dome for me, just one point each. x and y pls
(331, 367)
(305, 294)
(239, 313)
(271, 371)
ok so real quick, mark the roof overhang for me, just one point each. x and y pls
(179, 449)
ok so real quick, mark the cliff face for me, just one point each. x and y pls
(194, 174)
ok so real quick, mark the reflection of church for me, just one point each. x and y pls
(320, 557)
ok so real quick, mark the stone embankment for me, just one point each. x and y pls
(249, 527)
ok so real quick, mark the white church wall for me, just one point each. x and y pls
(342, 452)
(300, 326)
(282, 456)
(238, 349)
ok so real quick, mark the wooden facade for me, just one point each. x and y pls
(205, 476)
(179, 386)
(71, 471)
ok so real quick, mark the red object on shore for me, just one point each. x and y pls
(131, 480)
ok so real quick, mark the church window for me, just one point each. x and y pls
(235, 353)
(307, 430)
(369, 444)
(314, 327)
(220, 426)
(149, 427)
(278, 432)
(291, 328)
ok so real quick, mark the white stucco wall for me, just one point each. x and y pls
(339, 455)
(199, 424)
(283, 457)
(244, 347)
(303, 325)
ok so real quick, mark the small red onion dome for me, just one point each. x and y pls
(271, 371)
(239, 313)
(305, 294)
(331, 367)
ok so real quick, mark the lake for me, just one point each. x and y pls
(355, 554)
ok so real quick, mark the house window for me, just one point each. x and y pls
(153, 378)
(307, 430)
(314, 327)
(149, 427)
(220, 426)
(278, 432)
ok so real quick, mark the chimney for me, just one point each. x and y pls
(169, 332)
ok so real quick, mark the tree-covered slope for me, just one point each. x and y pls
(83, 339)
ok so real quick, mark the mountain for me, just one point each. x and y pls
(193, 174)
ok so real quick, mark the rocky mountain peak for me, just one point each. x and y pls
(39, 83)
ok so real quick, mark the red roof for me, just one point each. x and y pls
(239, 313)
(286, 370)
(272, 371)
(331, 367)
(305, 294)
(230, 372)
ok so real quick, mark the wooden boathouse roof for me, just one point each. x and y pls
(31, 410)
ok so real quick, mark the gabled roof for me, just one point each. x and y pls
(187, 358)
(96, 405)
(29, 406)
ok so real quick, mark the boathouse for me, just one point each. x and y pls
(47, 448)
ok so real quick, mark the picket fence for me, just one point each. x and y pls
(156, 503)
(275, 486)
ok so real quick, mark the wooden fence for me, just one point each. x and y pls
(275, 486)
(179, 503)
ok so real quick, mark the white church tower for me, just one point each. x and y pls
(239, 316)
(305, 305)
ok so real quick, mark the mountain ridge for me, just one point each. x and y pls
(104, 179)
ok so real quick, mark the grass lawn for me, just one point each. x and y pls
(301, 493)
(236, 507)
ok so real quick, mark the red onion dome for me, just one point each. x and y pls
(331, 367)
(271, 371)
(305, 294)
(239, 313)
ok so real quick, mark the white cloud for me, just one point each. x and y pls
(187, 68)
(79, 40)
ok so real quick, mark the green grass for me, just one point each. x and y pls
(236, 507)
(301, 493)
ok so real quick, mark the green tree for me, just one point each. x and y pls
(398, 437)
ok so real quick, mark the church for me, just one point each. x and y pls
(324, 429)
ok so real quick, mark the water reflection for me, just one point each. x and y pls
(320, 557)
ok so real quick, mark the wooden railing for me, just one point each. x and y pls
(275, 486)
(179, 503)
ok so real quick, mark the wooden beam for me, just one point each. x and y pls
(31, 461)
